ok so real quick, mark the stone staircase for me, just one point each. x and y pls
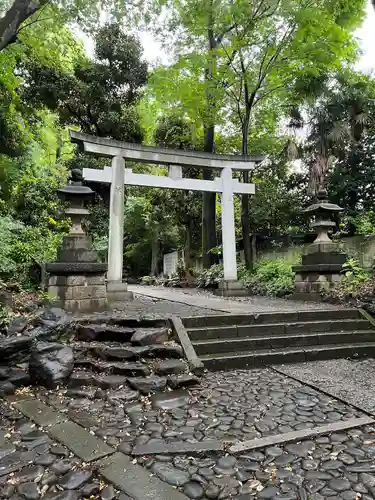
(245, 341)
(123, 352)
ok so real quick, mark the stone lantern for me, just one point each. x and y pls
(322, 261)
(77, 279)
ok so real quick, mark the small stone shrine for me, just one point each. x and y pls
(77, 279)
(322, 261)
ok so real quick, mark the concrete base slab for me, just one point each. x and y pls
(118, 292)
(136, 481)
(229, 288)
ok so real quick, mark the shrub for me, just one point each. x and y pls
(24, 247)
(209, 278)
(357, 283)
(271, 277)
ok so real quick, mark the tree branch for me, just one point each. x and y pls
(11, 22)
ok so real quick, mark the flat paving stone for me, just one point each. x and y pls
(40, 412)
(181, 447)
(80, 441)
(136, 481)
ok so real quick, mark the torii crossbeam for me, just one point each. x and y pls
(118, 176)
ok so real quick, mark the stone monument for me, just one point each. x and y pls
(77, 279)
(322, 261)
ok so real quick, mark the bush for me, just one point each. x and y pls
(357, 283)
(274, 278)
(24, 247)
(209, 278)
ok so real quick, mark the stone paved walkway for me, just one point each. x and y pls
(231, 406)
(33, 466)
(206, 300)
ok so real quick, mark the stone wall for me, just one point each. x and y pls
(360, 247)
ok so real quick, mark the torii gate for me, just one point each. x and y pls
(117, 176)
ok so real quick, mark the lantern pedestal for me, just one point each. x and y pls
(321, 267)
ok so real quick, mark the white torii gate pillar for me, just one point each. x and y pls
(117, 290)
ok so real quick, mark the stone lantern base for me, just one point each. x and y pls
(76, 279)
(320, 271)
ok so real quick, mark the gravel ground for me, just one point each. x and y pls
(32, 466)
(351, 380)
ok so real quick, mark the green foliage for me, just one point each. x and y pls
(98, 96)
(209, 278)
(273, 277)
(354, 281)
(25, 247)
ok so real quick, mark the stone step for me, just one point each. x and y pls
(104, 333)
(135, 369)
(120, 352)
(250, 359)
(268, 318)
(205, 347)
(301, 327)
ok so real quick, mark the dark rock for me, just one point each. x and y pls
(270, 492)
(193, 490)
(7, 388)
(28, 474)
(110, 353)
(75, 479)
(170, 400)
(89, 489)
(7, 491)
(51, 316)
(182, 381)
(159, 351)
(51, 364)
(15, 348)
(109, 381)
(332, 465)
(170, 474)
(80, 378)
(29, 491)
(45, 459)
(129, 369)
(63, 495)
(225, 465)
(212, 492)
(59, 451)
(4, 372)
(19, 378)
(339, 484)
(125, 395)
(148, 385)
(108, 493)
(62, 467)
(149, 336)
(18, 325)
(170, 366)
(103, 332)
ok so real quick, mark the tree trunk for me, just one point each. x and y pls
(188, 244)
(14, 17)
(155, 253)
(245, 212)
(209, 238)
